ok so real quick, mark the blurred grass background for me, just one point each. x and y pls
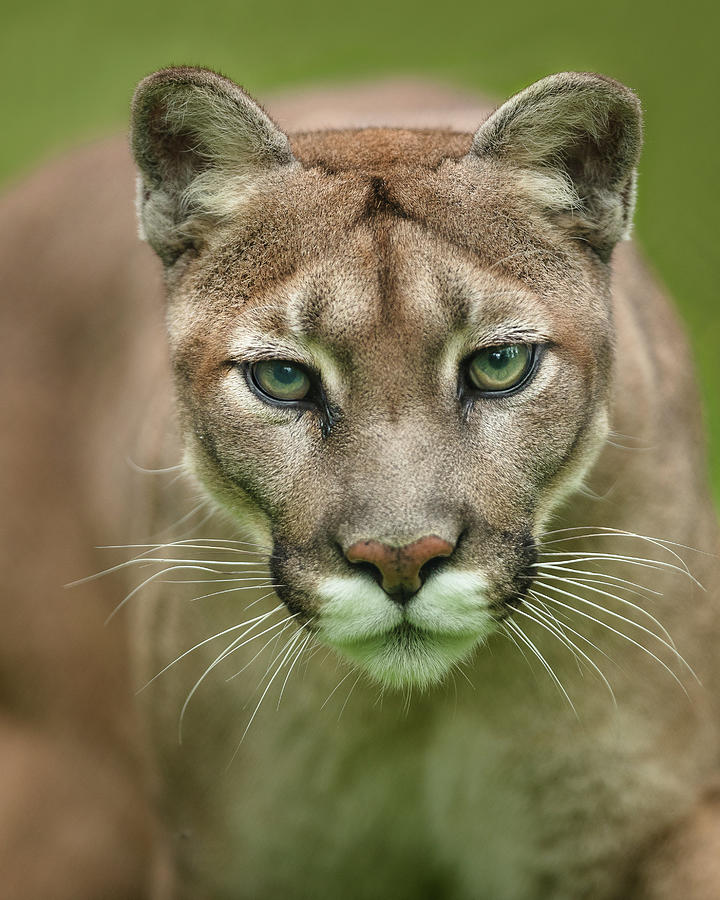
(68, 70)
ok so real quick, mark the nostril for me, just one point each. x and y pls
(371, 569)
(431, 566)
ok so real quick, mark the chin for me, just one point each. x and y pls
(409, 657)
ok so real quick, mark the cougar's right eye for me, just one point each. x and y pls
(280, 380)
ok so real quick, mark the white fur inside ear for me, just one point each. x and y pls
(608, 218)
(202, 146)
(233, 132)
(554, 192)
(571, 143)
(217, 194)
(139, 203)
(551, 190)
(533, 124)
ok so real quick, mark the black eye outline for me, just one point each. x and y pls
(315, 400)
(309, 401)
(266, 394)
(469, 392)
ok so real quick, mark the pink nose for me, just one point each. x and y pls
(399, 566)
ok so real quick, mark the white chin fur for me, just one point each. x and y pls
(416, 647)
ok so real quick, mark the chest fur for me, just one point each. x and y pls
(496, 792)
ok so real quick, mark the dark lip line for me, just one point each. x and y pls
(500, 610)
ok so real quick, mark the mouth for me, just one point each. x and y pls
(409, 656)
(411, 645)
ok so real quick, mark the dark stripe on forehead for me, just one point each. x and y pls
(379, 202)
(389, 306)
(381, 208)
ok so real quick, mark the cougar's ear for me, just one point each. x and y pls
(573, 140)
(201, 145)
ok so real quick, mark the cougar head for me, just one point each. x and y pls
(392, 348)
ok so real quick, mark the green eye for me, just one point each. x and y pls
(500, 368)
(281, 380)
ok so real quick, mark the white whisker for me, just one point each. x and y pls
(154, 577)
(291, 640)
(143, 471)
(273, 637)
(332, 692)
(244, 580)
(350, 692)
(548, 668)
(259, 618)
(638, 591)
(458, 667)
(251, 587)
(143, 561)
(510, 635)
(264, 694)
(613, 578)
(671, 647)
(185, 518)
(194, 544)
(192, 528)
(578, 556)
(621, 634)
(569, 581)
(298, 654)
(231, 648)
(603, 531)
(550, 623)
(146, 560)
(565, 624)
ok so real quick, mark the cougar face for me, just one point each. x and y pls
(393, 349)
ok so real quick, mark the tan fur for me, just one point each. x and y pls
(381, 258)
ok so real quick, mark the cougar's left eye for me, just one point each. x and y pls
(281, 380)
(501, 368)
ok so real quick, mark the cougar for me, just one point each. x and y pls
(417, 571)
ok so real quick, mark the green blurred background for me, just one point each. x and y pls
(68, 70)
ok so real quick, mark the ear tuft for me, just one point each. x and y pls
(201, 144)
(573, 141)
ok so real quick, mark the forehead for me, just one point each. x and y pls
(393, 283)
(385, 231)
